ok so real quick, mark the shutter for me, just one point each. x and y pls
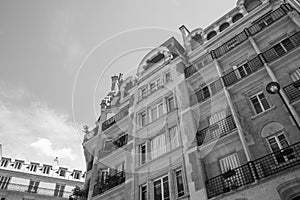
(56, 190)
(296, 75)
(229, 162)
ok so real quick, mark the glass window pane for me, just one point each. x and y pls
(179, 182)
(166, 188)
(157, 190)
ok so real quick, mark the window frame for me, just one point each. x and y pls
(169, 109)
(141, 191)
(140, 118)
(162, 188)
(176, 182)
(141, 154)
(159, 151)
(167, 80)
(259, 102)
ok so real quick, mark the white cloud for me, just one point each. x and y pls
(46, 148)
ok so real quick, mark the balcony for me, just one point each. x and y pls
(116, 118)
(256, 170)
(277, 51)
(35, 190)
(243, 71)
(109, 183)
(292, 91)
(189, 71)
(215, 131)
(257, 27)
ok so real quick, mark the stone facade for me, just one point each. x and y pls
(197, 119)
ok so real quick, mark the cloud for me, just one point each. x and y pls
(62, 38)
(46, 148)
(34, 131)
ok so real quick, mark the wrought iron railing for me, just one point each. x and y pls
(293, 91)
(114, 119)
(261, 168)
(109, 183)
(216, 130)
(259, 25)
(243, 71)
(36, 190)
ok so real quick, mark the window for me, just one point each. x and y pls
(104, 173)
(236, 17)
(243, 70)
(277, 143)
(4, 181)
(46, 169)
(171, 103)
(59, 190)
(62, 172)
(156, 111)
(229, 162)
(224, 26)
(179, 183)
(142, 119)
(167, 77)
(158, 146)
(76, 174)
(295, 75)
(18, 164)
(33, 186)
(211, 35)
(154, 85)
(143, 153)
(143, 92)
(33, 167)
(120, 167)
(143, 192)
(260, 103)
(4, 162)
(174, 137)
(161, 189)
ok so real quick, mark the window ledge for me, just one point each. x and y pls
(262, 113)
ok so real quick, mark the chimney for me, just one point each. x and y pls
(184, 32)
(114, 80)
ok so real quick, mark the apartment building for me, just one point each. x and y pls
(199, 122)
(23, 181)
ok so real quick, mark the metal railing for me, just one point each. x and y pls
(109, 183)
(36, 190)
(215, 131)
(243, 71)
(293, 91)
(114, 119)
(261, 168)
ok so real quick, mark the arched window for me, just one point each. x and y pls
(289, 190)
(223, 26)
(251, 4)
(236, 17)
(211, 35)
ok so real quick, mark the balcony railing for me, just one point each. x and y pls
(215, 131)
(261, 168)
(255, 64)
(109, 183)
(293, 91)
(114, 119)
(243, 71)
(261, 24)
(36, 190)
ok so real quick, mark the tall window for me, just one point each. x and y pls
(33, 167)
(142, 153)
(4, 181)
(161, 189)
(142, 119)
(171, 103)
(156, 111)
(33, 186)
(76, 174)
(59, 190)
(143, 192)
(154, 85)
(62, 172)
(278, 142)
(167, 77)
(143, 92)
(179, 183)
(260, 103)
(174, 137)
(158, 146)
(229, 162)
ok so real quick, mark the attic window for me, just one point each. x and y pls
(197, 38)
(236, 17)
(224, 26)
(211, 35)
(251, 4)
(157, 58)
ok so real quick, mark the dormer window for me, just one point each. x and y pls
(76, 174)
(33, 167)
(4, 162)
(251, 4)
(211, 35)
(46, 169)
(18, 164)
(224, 26)
(62, 172)
(236, 17)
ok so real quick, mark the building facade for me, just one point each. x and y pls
(197, 122)
(26, 181)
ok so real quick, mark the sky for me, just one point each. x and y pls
(56, 59)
